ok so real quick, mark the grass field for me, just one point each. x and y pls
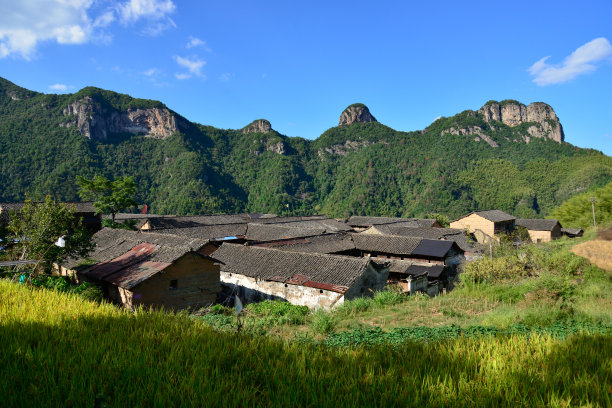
(57, 349)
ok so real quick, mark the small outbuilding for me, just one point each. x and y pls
(540, 230)
(572, 232)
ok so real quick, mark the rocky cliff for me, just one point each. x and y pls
(356, 112)
(97, 121)
(545, 123)
(258, 126)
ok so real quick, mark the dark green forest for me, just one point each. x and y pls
(362, 169)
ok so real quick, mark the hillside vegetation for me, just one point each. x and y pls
(362, 168)
(70, 352)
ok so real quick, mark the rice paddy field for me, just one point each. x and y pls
(57, 349)
(524, 328)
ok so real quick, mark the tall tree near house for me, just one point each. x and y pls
(110, 197)
(37, 227)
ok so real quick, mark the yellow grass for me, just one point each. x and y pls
(597, 251)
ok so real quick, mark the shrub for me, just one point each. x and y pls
(388, 297)
(323, 322)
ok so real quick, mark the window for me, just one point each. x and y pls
(173, 284)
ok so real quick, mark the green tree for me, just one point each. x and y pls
(37, 229)
(110, 197)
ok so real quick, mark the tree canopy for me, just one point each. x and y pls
(110, 197)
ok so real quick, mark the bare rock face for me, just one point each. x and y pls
(258, 126)
(546, 124)
(96, 121)
(357, 112)
(473, 130)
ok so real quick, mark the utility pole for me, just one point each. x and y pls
(592, 200)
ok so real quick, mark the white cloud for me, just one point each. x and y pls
(58, 87)
(583, 60)
(104, 19)
(134, 10)
(25, 23)
(152, 72)
(226, 76)
(194, 65)
(196, 42)
(182, 76)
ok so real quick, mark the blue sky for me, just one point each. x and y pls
(299, 64)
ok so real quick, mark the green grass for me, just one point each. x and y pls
(58, 350)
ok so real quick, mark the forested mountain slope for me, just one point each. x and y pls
(506, 155)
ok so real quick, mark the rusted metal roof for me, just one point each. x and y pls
(326, 286)
(133, 275)
(137, 254)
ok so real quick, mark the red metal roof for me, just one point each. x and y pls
(135, 274)
(137, 254)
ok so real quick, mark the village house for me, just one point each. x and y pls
(152, 270)
(308, 279)
(540, 230)
(489, 223)
(449, 234)
(409, 248)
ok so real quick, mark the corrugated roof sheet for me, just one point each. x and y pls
(135, 255)
(297, 267)
(131, 276)
(111, 243)
(537, 224)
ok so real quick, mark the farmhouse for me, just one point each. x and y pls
(409, 248)
(308, 279)
(541, 230)
(151, 270)
(490, 223)
(450, 234)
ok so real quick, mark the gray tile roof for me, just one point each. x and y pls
(323, 244)
(275, 232)
(416, 268)
(390, 244)
(209, 232)
(361, 221)
(495, 215)
(291, 267)
(572, 231)
(537, 224)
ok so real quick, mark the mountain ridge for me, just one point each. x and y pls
(358, 167)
